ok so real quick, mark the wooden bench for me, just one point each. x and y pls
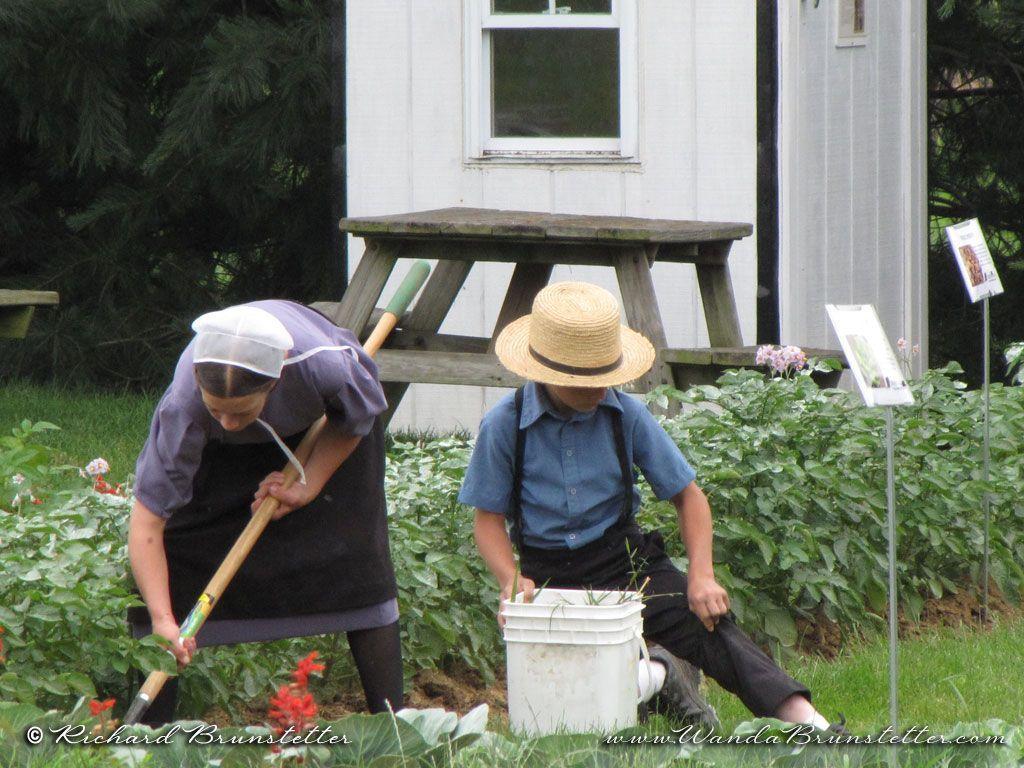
(17, 308)
(704, 365)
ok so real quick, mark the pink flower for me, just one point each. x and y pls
(778, 361)
(916, 350)
(18, 479)
(794, 357)
(764, 354)
(901, 344)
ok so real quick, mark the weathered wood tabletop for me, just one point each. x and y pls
(535, 242)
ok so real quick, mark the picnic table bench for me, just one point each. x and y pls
(457, 238)
(17, 308)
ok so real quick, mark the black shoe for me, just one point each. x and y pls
(839, 728)
(680, 697)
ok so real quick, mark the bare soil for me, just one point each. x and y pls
(463, 689)
(824, 638)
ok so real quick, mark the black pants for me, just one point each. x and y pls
(622, 559)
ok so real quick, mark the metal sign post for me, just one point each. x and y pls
(890, 495)
(986, 501)
(880, 380)
(981, 281)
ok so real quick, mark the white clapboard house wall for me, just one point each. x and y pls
(850, 153)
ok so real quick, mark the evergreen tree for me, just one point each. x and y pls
(161, 158)
(976, 168)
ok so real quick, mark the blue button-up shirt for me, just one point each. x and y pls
(572, 482)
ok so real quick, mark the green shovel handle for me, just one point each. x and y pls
(409, 288)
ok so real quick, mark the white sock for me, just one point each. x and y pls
(819, 722)
(651, 678)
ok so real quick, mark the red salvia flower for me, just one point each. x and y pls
(306, 666)
(102, 486)
(96, 707)
(293, 706)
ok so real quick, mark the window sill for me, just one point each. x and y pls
(571, 159)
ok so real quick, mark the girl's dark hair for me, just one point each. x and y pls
(222, 380)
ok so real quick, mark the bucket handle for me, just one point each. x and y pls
(644, 652)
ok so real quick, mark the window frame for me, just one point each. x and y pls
(481, 145)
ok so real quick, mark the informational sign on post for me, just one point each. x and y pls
(872, 361)
(974, 260)
(881, 383)
(970, 251)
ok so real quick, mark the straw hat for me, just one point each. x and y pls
(574, 338)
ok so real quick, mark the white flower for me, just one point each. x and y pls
(97, 467)
(18, 479)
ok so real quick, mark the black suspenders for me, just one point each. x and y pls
(516, 509)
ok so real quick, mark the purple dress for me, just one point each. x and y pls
(323, 568)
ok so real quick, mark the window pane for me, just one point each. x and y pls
(519, 6)
(584, 6)
(555, 82)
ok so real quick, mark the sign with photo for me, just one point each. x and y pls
(875, 368)
(972, 256)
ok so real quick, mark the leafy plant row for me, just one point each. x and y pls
(795, 475)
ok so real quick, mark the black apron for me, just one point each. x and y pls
(331, 555)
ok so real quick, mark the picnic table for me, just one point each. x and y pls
(458, 238)
(17, 308)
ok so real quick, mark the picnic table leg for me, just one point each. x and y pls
(429, 312)
(527, 280)
(14, 321)
(640, 304)
(717, 296)
(366, 285)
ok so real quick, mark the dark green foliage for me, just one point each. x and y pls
(796, 476)
(976, 167)
(161, 159)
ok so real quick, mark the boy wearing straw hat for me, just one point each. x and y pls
(555, 460)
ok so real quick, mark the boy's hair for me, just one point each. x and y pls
(222, 380)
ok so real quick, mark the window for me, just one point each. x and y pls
(850, 28)
(551, 78)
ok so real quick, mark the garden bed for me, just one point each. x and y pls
(795, 475)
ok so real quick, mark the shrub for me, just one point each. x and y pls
(796, 477)
(63, 590)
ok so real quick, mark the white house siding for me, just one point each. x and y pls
(852, 169)
(697, 138)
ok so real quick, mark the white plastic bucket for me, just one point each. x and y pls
(572, 661)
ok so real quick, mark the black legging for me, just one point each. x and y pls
(378, 656)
